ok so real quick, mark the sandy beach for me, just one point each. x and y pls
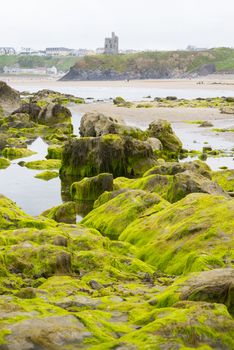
(147, 115)
(213, 82)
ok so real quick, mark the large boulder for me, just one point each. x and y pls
(194, 234)
(116, 214)
(53, 114)
(31, 109)
(9, 98)
(215, 286)
(115, 154)
(19, 121)
(173, 168)
(89, 189)
(97, 124)
(191, 182)
(162, 130)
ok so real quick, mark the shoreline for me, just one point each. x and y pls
(204, 83)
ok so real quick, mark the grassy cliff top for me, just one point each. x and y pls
(223, 58)
(188, 61)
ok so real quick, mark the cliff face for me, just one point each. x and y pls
(152, 65)
(111, 74)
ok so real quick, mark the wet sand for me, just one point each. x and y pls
(147, 115)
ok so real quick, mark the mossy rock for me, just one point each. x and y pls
(62, 213)
(44, 164)
(188, 325)
(47, 175)
(191, 182)
(173, 168)
(54, 152)
(15, 153)
(194, 234)
(11, 216)
(98, 124)
(115, 154)
(115, 215)
(89, 189)
(225, 179)
(162, 130)
(4, 163)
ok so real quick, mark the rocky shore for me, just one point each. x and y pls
(151, 264)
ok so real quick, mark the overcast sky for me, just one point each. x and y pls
(140, 24)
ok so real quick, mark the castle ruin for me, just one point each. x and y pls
(112, 45)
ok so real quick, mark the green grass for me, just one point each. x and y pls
(62, 63)
(223, 58)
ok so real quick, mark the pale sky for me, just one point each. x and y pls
(140, 24)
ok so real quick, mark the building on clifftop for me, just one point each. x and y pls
(112, 45)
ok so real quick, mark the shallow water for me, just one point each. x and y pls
(129, 93)
(19, 184)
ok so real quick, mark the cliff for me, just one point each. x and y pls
(153, 65)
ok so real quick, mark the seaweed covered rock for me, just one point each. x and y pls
(14, 153)
(54, 152)
(97, 124)
(9, 98)
(18, 121)
(67, 286)
(62, 213)
(4, 163)
(162, 130)
(47, 175)
(194, 234)
(31, 109)
(216, 286)
(116, 214)
(173, 168)
(53, 114)
(11, 216)
(225, 179)
(89, 189)
(187, 325)
(213, 286)
(190, 182)
(45, 164)
(115, 154)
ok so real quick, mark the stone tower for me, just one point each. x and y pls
(112, 45)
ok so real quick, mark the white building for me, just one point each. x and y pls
(112, 45)
(52, 71)
(58, 51)
(100, 50)
(7, 51)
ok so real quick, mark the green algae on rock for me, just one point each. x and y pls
(187, 235)
(116, 154)
(89, 189)
(225, 179)
(115, 215)
(69, 286)
(97, 124)
(44, 164)
(162, 130)
(15, 153)
(63, 213)
(4, 163)
(47, 175)
(54, 152)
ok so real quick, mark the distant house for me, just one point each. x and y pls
(112, 45)
(100, 50)
(58, 51)
(7, 51)
(52, 71)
